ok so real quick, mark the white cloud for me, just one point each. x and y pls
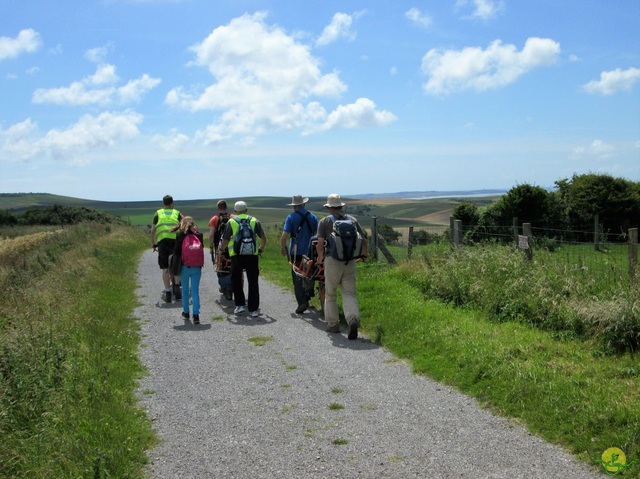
(473, 68)
(264, 80)
(613, 81)
(419, 18)
(483, 9)
(597, 149)
(23, 142)
(97, 55)
(360, 114)
(174, 141)
(340, 27)
(83, 92)
(27, 41)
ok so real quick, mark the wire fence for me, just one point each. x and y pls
(610, 258)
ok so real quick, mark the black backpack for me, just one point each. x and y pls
(345, 242)
(223, 219)
(244, 242)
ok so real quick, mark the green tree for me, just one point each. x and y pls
(7, 218)
(616, 201)
(388, 233)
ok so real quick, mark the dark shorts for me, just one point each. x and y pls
(165, 249)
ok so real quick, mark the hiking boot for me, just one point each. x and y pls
(185, 315)
(254, 314)
(196, 319)
(353, 331)
(228, 294)
(333, 328)
(177, 292)
(239, 310)
(167, 296)
(302, 308)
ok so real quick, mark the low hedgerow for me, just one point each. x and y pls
(503, 283)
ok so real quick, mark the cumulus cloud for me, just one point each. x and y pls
(483, 9)
(264, 80)
(597, 149)
(27, 41)
(476, 69)
(360, 114)
(613, 81)
(340, 27)
(174, 141)
(24, 142)
(419, 18)
(97, 89)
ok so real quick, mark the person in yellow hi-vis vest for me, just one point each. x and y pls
(241, 236)
(163, 240)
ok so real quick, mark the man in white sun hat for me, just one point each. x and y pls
(340, 264)
(299, 227)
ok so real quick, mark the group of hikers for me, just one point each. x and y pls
(237, 240)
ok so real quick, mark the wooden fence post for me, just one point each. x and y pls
(457, 227)
(410, 242)
(526, 233)
(633, 251)
(596, 232)
(516, 231)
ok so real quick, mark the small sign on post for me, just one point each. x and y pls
(523, 242)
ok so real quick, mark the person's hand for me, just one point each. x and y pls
(283, 251)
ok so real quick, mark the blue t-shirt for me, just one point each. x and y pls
(301, 230)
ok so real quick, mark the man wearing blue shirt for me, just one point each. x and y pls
(299, 227)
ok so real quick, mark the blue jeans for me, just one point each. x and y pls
(190, 281)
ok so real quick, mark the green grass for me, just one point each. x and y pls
(68, 360)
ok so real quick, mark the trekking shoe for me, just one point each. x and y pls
(167, 296)
(302, 308)
(177, 292)
(228, 294)
(333, 328)
(353, 331)
(238, 310)
(196, 319)
(185, 315)
(254, 314)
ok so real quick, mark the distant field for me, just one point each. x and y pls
(270, 210)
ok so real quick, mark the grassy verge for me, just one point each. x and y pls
(566, 390)
(68, 358)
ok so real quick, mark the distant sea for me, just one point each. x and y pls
(427, 195)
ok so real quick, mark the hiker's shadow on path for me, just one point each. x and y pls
(189, 326)
(245, 320)
(340, 340)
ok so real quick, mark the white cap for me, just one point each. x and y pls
(240, 206)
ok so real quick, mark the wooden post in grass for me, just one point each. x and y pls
(516, 231)
(457, 227)
(526, 233)
(633, 251)
(596, 232)
(410, 242)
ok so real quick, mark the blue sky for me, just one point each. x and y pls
(127, 100)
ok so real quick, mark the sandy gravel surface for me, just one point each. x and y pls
(306, 404)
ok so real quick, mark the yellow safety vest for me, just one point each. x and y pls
(167, 219)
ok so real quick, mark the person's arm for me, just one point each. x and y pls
(213, 225)
(320, 249)
(283, 243)
(153, 233)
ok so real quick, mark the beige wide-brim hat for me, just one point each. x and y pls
(297, 200)
(240, 206)
(334, 201)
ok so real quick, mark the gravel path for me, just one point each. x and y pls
(306, 404)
